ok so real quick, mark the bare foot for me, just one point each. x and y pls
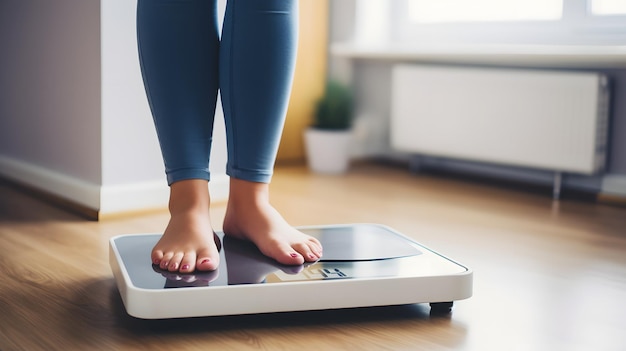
(188, 241)
(250, 216)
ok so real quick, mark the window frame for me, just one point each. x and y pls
(478, 8)
(578, 26)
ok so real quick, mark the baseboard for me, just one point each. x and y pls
(614, 185)
(134, 197)
(219, 187)
(146, 196)
(98, 201)
(51, 199)
(608, 187)
(57, 184)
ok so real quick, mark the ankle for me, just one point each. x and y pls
(189, 196)
(247, 194)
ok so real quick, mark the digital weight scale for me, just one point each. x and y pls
(363, 265)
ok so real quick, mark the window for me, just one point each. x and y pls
(608, 7)
(506, 22)
(433, 11)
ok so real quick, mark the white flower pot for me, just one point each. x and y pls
(328, 151)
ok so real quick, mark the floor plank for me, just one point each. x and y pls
(548, 275)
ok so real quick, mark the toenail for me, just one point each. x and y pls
(156, 261)
(206, 260)
(185, 267)
(294, 255)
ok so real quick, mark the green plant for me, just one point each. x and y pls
(334, 110)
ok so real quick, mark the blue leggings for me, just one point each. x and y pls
(184, 64)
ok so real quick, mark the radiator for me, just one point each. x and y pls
(552, 120)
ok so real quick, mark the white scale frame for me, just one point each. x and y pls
(363, 265)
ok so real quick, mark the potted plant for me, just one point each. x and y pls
(327, 141)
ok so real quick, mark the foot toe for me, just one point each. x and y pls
(165, 260)
(174, 263)
(291, 258)
(205, 262)
(286, 254)
(307, 252)
(188, 263)
(156, 257)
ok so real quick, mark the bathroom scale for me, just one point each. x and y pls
(363, 265)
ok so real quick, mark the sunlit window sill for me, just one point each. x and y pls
(501, 55)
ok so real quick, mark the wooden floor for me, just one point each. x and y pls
(548, 275)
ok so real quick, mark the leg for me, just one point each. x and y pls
(179, 48)
(257, 60)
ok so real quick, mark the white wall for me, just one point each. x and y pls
(50, 85)
(129, 143)
(74, 118)
(50, 96)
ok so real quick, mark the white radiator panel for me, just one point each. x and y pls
(541, 119)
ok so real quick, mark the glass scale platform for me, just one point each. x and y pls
(363, 265)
